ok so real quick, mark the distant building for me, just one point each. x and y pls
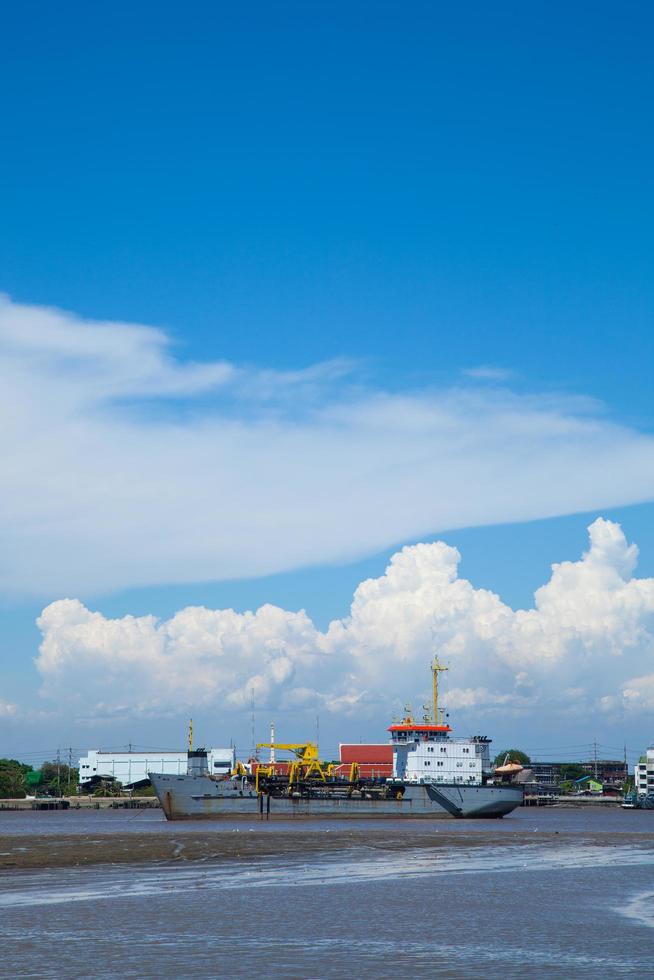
(589, 785)
(132, 768)
(546, 773)
(610, 772)
(644, 773)
(613, 772)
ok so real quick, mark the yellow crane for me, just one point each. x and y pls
(306, 761)
(305, 751)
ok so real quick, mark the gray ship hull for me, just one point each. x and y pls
(198, 797)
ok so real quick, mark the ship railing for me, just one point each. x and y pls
(445, 781)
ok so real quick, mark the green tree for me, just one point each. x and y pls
(514, 755)
(58, 779)
(571, 771)
(12, 779)
(108, 787)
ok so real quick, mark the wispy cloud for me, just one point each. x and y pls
(126, 466)
(487, 372)
(8, 710)
(586, 645)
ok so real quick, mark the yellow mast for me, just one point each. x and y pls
(436, 669)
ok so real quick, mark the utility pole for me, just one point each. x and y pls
(254, 748)
(595, 757)
(59, 773)
(70, 767)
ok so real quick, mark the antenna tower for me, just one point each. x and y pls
(254, 748)
(436, 669)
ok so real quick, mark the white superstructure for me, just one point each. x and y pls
(131, 768)
(427, 754)
(644, 773)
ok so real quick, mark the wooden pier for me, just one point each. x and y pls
(552, 799)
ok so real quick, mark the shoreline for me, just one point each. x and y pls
(25, 804)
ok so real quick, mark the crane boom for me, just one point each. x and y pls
(306, 751)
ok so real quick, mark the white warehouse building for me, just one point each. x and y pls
(132, 768)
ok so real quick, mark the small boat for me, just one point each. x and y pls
(632, 801)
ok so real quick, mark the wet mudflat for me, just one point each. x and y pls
(75, 839)
(254, 843)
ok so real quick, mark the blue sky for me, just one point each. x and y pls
(415, 194)
(424, 190)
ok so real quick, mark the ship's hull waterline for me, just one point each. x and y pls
(198, 797)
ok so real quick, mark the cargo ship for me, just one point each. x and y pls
(432, 774)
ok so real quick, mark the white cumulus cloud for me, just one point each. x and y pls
(587, 644)
(127, 466)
